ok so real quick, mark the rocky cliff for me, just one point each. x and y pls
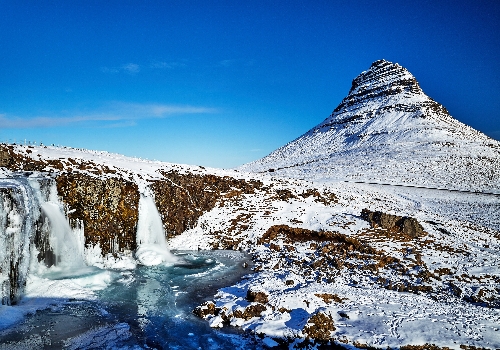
(104, 200)
(107, 209)
(182, 198)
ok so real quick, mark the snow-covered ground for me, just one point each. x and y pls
(463, 232)
(455, 265)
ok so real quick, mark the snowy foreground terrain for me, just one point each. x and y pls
(357, 259)
(441, 288)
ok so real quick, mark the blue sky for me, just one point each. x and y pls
(221, 83)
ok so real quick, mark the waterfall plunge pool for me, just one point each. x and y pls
(149, 307)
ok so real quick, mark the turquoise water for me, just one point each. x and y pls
(149, 307)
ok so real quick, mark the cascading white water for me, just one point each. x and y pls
(151, 242)
(46, 246)
(28, 239)
(62, 240)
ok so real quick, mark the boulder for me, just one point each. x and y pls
(408, 227)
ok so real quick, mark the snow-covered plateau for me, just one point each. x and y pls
(379, 228)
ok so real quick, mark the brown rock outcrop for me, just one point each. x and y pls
(253, 310)
(205, 309)
(258, 296)
(406, 226)
(320, 327)
(107, 208)
(297, 234)
(182, 198)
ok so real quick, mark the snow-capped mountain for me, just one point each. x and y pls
(388, 130)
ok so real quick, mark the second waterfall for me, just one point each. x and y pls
(151, 241)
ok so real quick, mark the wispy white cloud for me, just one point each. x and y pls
(156, 110)
(120, 113)
(134, 68)
(236, 62)
(130, 68)
(16, 122)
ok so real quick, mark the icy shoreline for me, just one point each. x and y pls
(129, 308)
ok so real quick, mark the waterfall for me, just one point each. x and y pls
(151, 242)
(65, 246)
(34, 235)
(63, 255)
(36, 239)
(19, 221)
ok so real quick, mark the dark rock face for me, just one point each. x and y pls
(107, 208)
(182, 198)
(406, 226)
(4, 157)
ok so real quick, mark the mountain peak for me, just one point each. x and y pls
(382, 80)
(380, 62)
(388, 130)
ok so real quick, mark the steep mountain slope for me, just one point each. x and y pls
(388, 130)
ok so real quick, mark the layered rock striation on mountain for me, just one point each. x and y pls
(388, 130)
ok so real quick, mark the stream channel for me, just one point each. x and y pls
(149, 307)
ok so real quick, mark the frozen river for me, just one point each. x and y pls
(146, 307)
